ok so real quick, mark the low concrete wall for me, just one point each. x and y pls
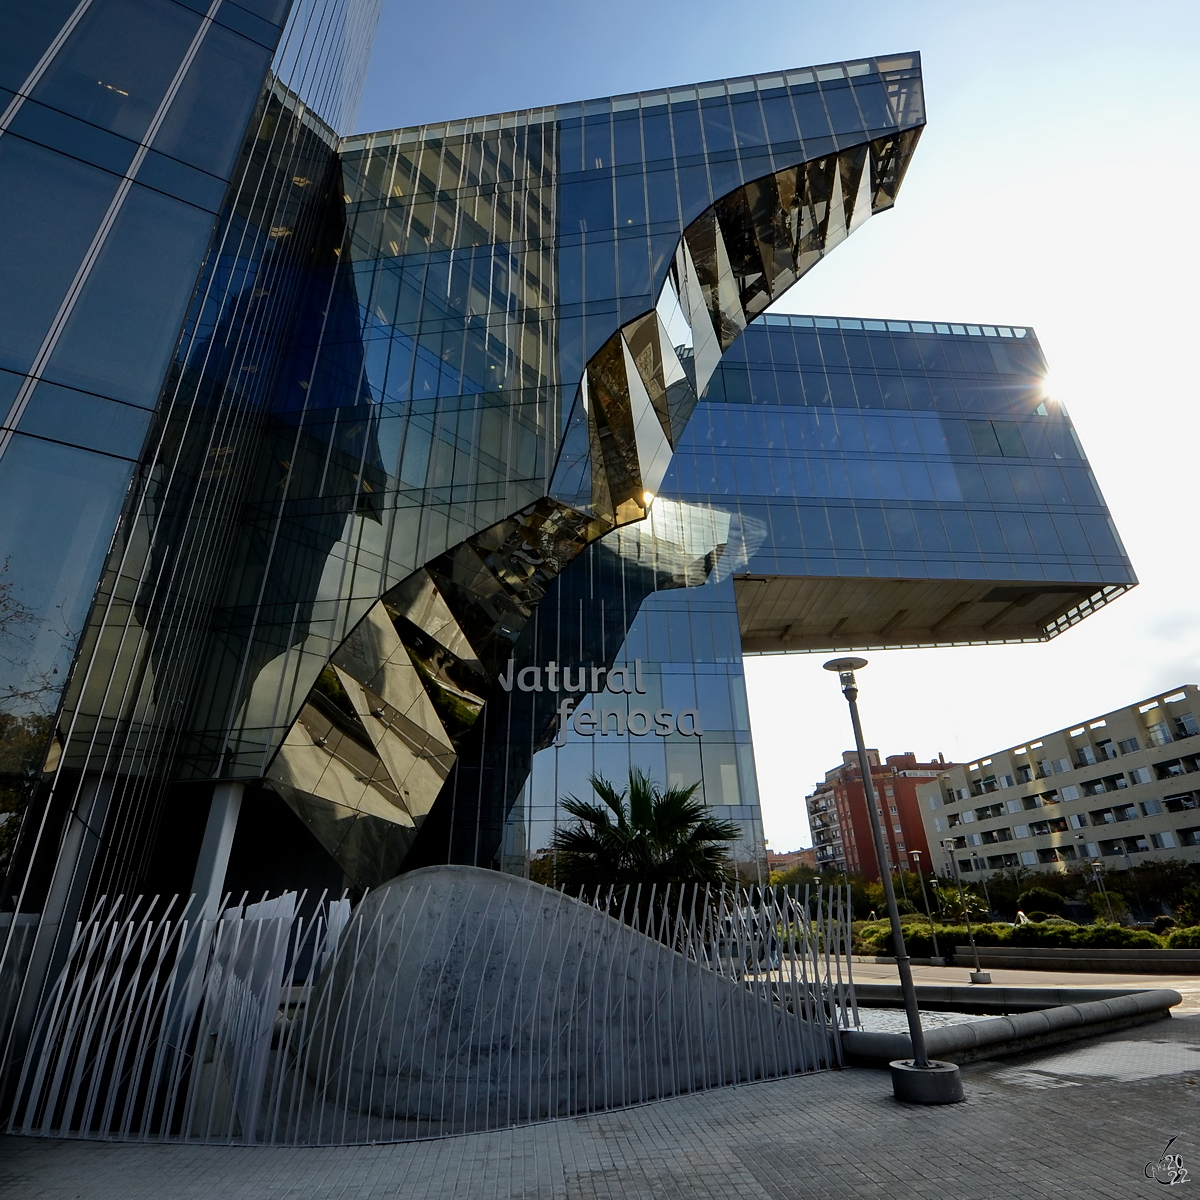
(1046, 958)
(1016, 1033)
(992, 998)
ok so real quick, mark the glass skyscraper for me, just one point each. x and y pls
(365, 494)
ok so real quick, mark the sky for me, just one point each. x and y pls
(1054, 187)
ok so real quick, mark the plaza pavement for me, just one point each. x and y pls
(1077, 1120)
(1188, 986)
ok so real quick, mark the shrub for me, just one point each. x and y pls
(1042, 933)
(1115, 937)
(1040, 898)
(920, 945)
(1163, 924)
(1187, 938)
(1037, 916)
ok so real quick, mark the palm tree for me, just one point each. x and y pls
(642, 835)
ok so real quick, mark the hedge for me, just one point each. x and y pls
(874, 937)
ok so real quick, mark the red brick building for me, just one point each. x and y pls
(791, 858)
(837, 813)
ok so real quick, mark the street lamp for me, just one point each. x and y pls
(918, 1080)
(979, 975)
(1096, 865)
(916, 856)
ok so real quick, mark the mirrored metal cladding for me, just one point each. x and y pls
(463, 461)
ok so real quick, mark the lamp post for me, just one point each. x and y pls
(916, 856)
(1096, 865)
(979, 975)
(917, 1080)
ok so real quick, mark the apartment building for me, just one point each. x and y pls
(1115, 788)
(837, 813)
(787, 859)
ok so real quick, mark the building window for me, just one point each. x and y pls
(1061, 765)
(1162, 841)
(1054, 825)
(1182, 801)
(1085, 756)
(1028, 858)
(1158, 734)
(1071, 792)
(1140, 775)
(1110, 816)
(1025, 774)
(1128, 745)
(1106, 749)
(1185, 726)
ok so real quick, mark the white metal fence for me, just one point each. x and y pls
(448, 1001)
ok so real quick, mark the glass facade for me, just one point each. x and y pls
(466, 460)
(856, 483)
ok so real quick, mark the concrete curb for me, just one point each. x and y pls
(1133, 961)
(992, 998)
(1016, 1033)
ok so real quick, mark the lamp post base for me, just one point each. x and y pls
(938, 1083)
(981, 977)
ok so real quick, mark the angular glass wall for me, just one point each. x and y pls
(120, 127)
(543, 295)
(203, 201)
(880, 484)
(918, 485)
(665, 652)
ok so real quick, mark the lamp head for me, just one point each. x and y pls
(845, 668)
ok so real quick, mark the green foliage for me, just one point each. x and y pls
(1108, 905)
(1115, 937)
(1187, 908)
(955, 907)
(1042, 933)
(875, 937)
(1041, 899)
(23, 742)
(642, 835)
(797, 876)
(1187, 938)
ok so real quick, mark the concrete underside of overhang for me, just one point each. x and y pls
(778, 614)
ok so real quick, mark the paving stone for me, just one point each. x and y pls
(1020, 1134)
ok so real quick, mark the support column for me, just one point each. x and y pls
(208, 884)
